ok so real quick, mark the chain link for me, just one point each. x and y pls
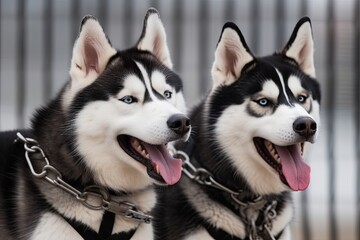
(201, 175)
(249, 210)
(94, 197)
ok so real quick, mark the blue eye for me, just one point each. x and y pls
(167, 94)
(301, 98)
(128, 99)
(264, 102)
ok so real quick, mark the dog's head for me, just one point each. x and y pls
(125, 106)
(263, 111)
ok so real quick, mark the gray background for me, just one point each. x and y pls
(36, 38)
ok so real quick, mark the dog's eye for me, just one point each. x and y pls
(167, 94)
(128, 99)
(302, 98)
(264, 102)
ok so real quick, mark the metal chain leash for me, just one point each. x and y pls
(93, 197)
(249, 210)
(201, 175)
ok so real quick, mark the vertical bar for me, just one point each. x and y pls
(103, 13)
(280, 24)
(255, 29)
(203, 44)
(75, 12)
(128, 21)
(357, 106)
(47, 52)
(303, 8)
(229, 10)
(178, 20)
(330, 69)
(305, 195)
(155, 4)
(0, 57)
(20, 73)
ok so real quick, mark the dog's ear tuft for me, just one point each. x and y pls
(231, 55)
(300, 47)
(91, 51)
(153, 38)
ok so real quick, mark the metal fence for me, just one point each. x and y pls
(36, 38)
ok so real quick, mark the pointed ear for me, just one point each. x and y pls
(153, 38)
(301, 46)
(91, 51)
(231, 55)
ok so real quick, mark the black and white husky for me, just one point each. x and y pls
(245, 154)
(83, 169)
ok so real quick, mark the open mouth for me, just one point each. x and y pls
(288, 161)
(159, 163)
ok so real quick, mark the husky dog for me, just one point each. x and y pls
(245, 154)
(86, 168)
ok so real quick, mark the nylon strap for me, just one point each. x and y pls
(105, 231)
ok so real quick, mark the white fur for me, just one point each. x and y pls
(46, 230)
(213, 212)
(270, 90)
(200, 234)
(158, 82)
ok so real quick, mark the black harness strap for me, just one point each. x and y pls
(105, 231)
(107, 224)
(84, 231)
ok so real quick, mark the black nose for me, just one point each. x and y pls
(179, 123)
(305, 127)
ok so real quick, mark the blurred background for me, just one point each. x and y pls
(36, 39)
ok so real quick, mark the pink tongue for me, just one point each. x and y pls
(170, 168)
(294, 168)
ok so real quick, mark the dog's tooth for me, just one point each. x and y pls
(273, 152)
(157, 168)
(139, 148)
(144, 153)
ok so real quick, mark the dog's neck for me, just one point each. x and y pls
(256, 212)
(203, 156)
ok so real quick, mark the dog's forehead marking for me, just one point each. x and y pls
(282, 85)
(158, 80)
(270, 89)
(294, 84)
(133, 86)
(146, 80)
